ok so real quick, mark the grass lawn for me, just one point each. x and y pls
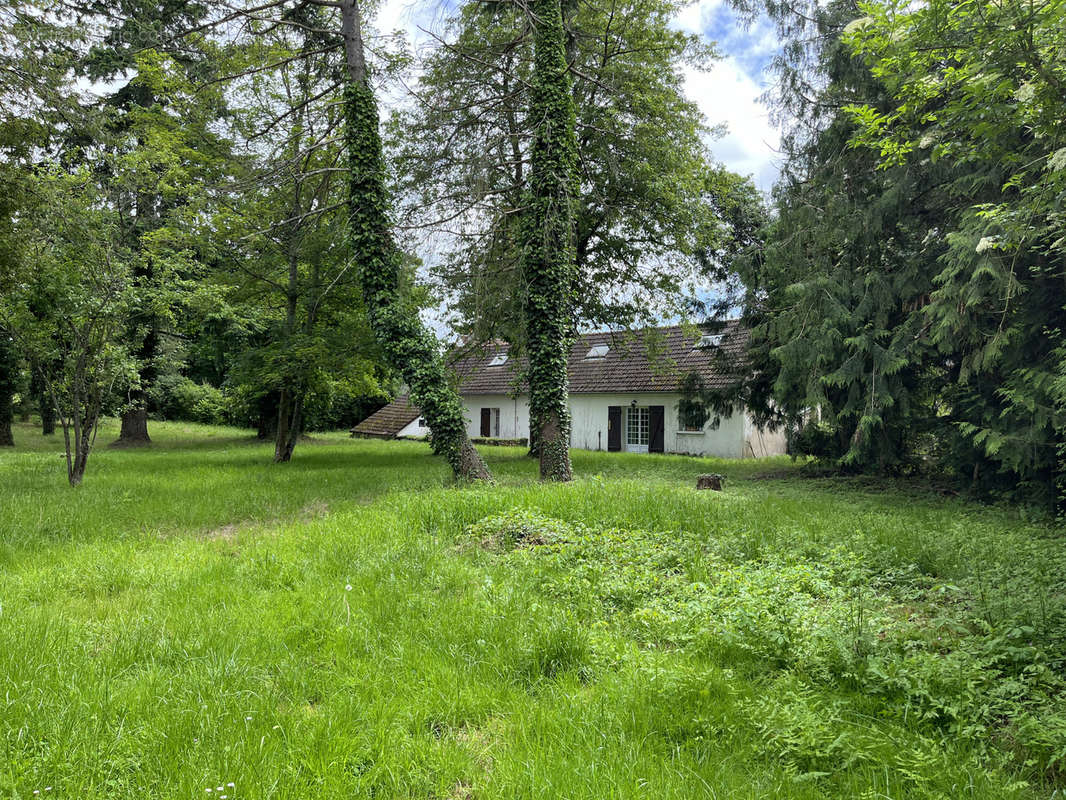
(195, 622)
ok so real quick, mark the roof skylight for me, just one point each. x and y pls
(498, 360)
(597, 351)
(709, 340)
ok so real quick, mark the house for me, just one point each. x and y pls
(625, 394)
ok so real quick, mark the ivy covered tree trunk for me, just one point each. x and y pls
(406, 341)
(8, 376)
(549, 260)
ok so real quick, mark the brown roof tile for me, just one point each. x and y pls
(652, 360)
(388, 421)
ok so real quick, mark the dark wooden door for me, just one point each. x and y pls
(656, 429)
(614, 428)
(486, 422)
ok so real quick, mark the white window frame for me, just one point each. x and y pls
(638, 420)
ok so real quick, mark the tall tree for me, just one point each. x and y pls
(978, 92)
(71, 291)
(548, 243)
(405, 340)
(845, 261)
(291, 263)
(130, 29)
(463, 150)
(8, 385)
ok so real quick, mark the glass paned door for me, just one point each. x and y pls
(637, 425)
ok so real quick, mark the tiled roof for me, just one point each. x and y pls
(652, 360)
(388, 421)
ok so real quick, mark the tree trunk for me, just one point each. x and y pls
(549, 260)
(290, 426)
(45, 407)
(403, 337)
(86, 404)
(8, 374)
(48, 416)
(134, 431)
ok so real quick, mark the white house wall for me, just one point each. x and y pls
(413, 430)
(761, 442)
(589, 425)
(735, 437)
(514, 414)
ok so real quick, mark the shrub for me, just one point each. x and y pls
(189, 401)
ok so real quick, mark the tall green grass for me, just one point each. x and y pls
(195, 616)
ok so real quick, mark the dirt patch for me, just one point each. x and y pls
(229, 532)
(313, 511)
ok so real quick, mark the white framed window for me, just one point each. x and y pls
(490, 423)
(638, 426)
(422, 422)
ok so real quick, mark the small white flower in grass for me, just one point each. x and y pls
(230, 784)
(347, 587)
(247, 719)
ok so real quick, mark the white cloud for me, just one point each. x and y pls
(728, 95)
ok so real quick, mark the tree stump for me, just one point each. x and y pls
(710, 481)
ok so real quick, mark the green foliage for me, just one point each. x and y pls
(463, 160)
(71, 286)
(906, 295)
(980, 89)
(187, 400)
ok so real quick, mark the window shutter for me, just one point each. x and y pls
(614, 428)
(656, 429)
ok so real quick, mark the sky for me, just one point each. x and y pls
(728, 94)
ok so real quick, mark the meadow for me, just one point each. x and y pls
(195, 622)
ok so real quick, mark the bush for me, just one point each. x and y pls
(189, 401)
(819, 440)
